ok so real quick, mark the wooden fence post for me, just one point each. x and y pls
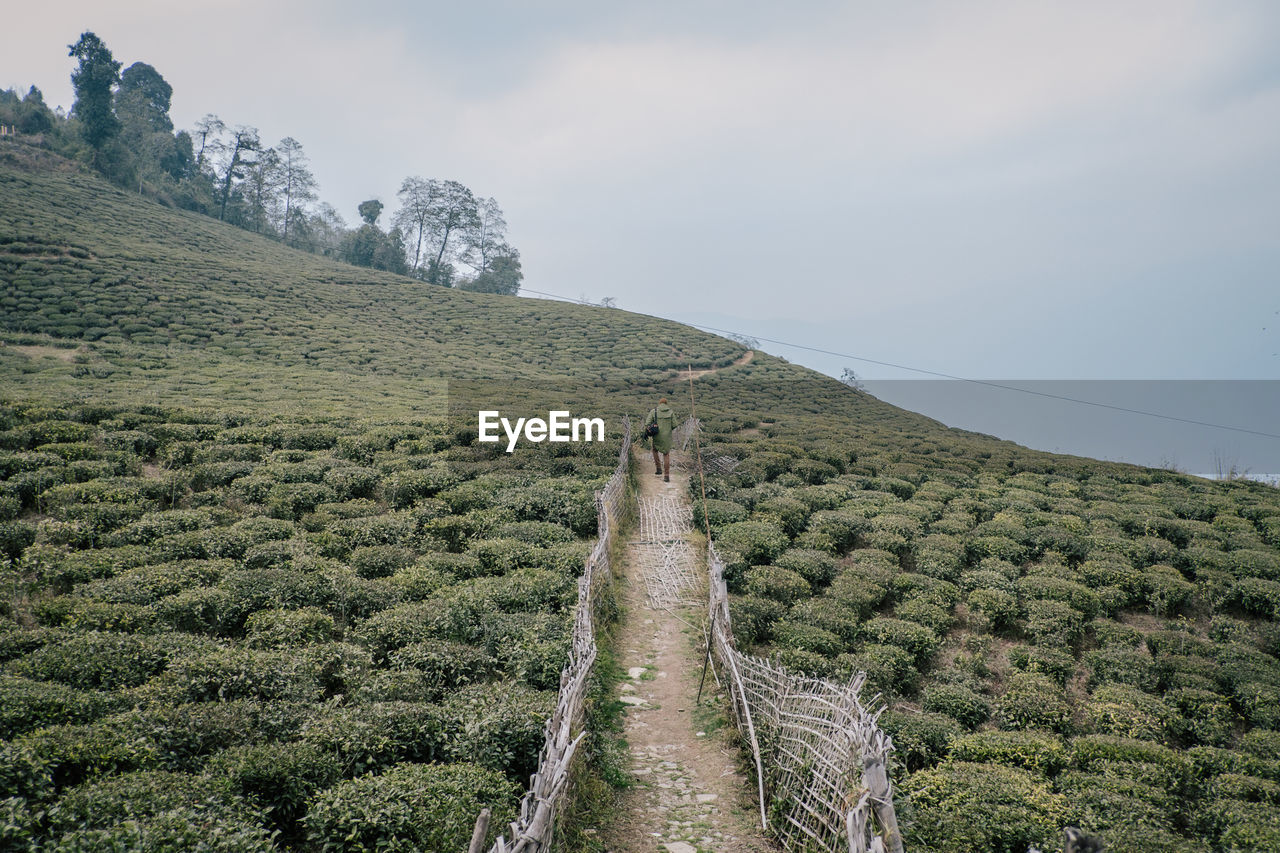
(478, 834)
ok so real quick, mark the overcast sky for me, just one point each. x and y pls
(990, 189)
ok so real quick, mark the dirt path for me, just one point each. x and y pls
(686, 375)
(689, 793)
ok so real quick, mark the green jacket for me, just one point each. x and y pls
(666, 420)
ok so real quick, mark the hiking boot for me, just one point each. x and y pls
(658, 473)
(666, 478)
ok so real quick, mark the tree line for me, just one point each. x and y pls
(119, 125)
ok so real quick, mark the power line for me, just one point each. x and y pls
(941, 375)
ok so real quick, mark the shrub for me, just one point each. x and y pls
(1256, 596)
(444, 663)
(911, 585)
(1044, 587)
(460, 566)
(1054, 623)
(250, 590)
(153, 525)
(498, 726)
(225, 674)
(15, 536)
(1001, 547)
(533, 647)
(1123, 666)
(104, 661)
(279, 779)
(842, 526)
(757, 541)
(1111, 633)
(753, 618)
(961, 704)
(540, 533)
(351, 481)
(960, 807)
(1138, 816)
(1200, 717)
(1099, 753)
(1245, 825)
(1032, 701)
(500, 556)
(181, 736)
(1042, 754)
(274, 629)
(917, 640)
(371, 736)
(37, 764)
(293, 500)
(996, 610)
(828, 615)
(380, 561)
(809, 638)
(404, 488)
(816, 567)
(107, 803)
(920, 741)
(889, 669)
(781, 585)
(787, 512)
(27, 705)
(718, 513)
(410, 807)
(147, 584)
(1262, 744)
(925, 613)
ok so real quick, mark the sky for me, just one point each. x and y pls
(987, 188)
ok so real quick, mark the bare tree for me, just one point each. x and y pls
(260, 190)
(235, 153)
(487, 238)
(453, 214)
(208, 130)
(297, 184)
(414, 216)
(848, 377)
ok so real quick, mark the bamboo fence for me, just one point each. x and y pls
(533, 830)
(827, 786)
(821, 760)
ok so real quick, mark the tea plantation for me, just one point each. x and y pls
(264, 589)
(303, 633)
(1060, 641)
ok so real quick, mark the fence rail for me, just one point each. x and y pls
(533, 830)
(821, 759)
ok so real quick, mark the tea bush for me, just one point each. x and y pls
(1033, 701)
(920, 740)
(960, 806)
(961, 704)
(409, 807)
(1042, 754)
(781, 585)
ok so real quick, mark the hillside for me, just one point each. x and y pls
(243, 545)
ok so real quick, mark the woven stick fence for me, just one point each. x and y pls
(532, 831)
(826, 785)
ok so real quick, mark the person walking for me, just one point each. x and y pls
(660, 440)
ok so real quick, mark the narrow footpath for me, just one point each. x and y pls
(690, 795)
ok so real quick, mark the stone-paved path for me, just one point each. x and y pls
(689, 793)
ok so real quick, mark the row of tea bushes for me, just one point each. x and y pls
(309, 633)
(1046, 631)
